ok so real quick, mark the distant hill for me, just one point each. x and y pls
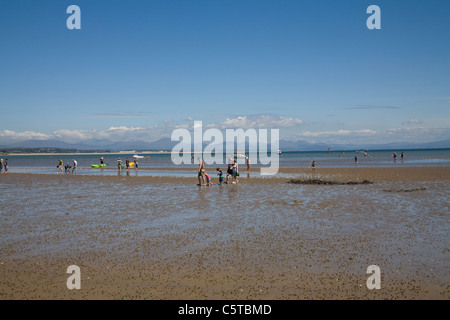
(165, 144)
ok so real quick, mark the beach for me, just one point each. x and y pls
(150, 237)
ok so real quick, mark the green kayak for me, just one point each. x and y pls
(98, 165)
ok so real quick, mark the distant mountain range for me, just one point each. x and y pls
(165, 144)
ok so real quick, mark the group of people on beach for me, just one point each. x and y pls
(128, 164)
(4, 165)
(67, 167)
(394, 155)
(232, 170)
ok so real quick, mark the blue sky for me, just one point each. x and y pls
(138, 69)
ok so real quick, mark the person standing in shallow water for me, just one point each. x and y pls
(60, 166)
(1, 165)
(201, 172)
(75, 165)
(235, 172)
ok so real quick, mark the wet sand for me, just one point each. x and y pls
(265, 238)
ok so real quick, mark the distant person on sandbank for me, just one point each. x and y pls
(75, 165)
(67, 168)
(248, 163)
(60, 166)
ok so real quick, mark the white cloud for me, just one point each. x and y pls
(259, 121)
(412, 122)
(365, 132)
(26, 135)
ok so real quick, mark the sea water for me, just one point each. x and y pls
(160, 164)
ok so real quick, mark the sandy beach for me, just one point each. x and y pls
(265, 238)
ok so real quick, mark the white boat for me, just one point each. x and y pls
(138, 157)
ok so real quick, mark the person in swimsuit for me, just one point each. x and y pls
(127, 164)
(5, 164)
(208, 180)
(135, 163)
(314, 165)
(235, 172)
(1, 165)
(119, 164)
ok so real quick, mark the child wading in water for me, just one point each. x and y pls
(220, 174)
(208, 180)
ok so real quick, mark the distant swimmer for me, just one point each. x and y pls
(395, 156)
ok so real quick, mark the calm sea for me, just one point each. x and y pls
(45, 164)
